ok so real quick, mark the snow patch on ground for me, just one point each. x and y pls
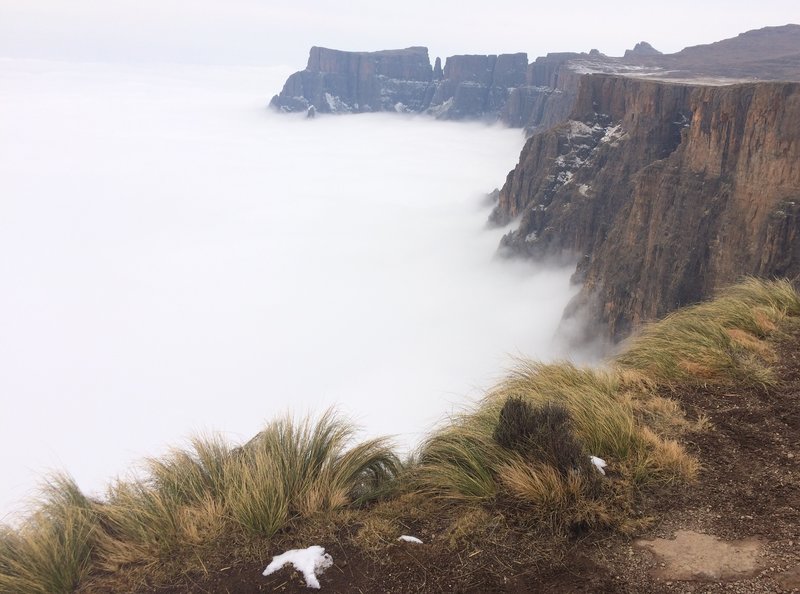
(406, 538)
(583, 189)
(310, 562)
(599, 463)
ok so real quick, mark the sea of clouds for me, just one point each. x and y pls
(175, 259)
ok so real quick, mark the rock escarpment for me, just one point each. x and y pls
(507, 88)
(494, 87)
(338, 81)
(661, 192)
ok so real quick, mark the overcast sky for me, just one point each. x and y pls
(271, 32)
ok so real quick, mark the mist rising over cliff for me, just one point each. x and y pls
(176, 258)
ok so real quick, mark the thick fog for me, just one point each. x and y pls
(175, 258)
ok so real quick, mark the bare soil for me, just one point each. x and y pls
(749, 490)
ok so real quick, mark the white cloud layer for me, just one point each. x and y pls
(175, 258)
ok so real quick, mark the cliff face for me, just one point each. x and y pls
(337, 81)
(489, 87)
(661, 192)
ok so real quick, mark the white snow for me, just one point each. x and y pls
(564, 177)
(599, 463)
(583, 189)
(336, 105)
(406, 538)
(309, 562)
(613, 133)
(577, 128)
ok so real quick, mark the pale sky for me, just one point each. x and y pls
(273, 32)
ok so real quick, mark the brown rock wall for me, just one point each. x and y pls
(661, 192)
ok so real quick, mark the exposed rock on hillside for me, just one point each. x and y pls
(490, 87)
(337, 81)
(661, 192)
(642, 49)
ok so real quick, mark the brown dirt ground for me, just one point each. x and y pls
(749, 487)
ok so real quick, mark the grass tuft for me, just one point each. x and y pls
(721, 341)
(51, 552)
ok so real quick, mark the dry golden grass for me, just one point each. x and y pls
(188, 499)
(51, 552)
(721, 341)
(615, 415)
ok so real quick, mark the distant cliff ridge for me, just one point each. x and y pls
(507, 88)
(491, 87)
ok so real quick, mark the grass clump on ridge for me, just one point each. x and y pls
(466, 462)
(189, 498)
(616, 413)
(720, 341)
(51, 551)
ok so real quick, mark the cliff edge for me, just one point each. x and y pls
(662, 192)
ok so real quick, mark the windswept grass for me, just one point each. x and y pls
(616, 413)
(527, 444)
(50, 553)
(189, 498)
(721, 341)
(466, 462)
(301, 469)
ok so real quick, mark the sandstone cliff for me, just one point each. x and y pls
(661, 192)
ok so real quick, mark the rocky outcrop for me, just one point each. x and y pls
(492, 87)
(661, 192)
(642, 49)
(338, 81)
(475, 86)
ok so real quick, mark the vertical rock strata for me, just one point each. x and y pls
(662, 192)
(494, 87)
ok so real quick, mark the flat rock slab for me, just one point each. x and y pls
(701, 557)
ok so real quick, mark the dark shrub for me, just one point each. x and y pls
(543, 433)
